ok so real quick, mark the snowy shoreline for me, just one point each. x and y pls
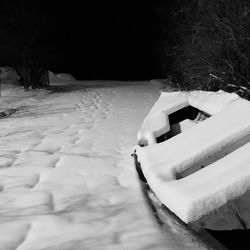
(67, 176)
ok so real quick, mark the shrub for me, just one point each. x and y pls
(215, 49)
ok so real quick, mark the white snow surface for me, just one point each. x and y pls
(156, 123)
(67, 180)
(224, 178)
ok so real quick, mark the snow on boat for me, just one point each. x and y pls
(194, 153)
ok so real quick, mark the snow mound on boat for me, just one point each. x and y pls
(204, 167)
(156, 123)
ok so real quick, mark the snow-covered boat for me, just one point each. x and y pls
(194, 153)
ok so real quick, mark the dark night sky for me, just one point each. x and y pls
(105, 39)
(99, 39)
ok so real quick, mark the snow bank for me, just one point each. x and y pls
(8, 73)
(9, 81)
(60, 77)
(204, 144)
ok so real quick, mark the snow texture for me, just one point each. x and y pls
(220, 143)
(67, 180)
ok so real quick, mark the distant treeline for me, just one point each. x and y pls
(205, 44)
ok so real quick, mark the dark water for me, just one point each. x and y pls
(233, 239)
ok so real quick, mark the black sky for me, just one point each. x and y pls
(105, 39)
(98, 39)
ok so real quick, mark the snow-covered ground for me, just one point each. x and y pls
(67, 179)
